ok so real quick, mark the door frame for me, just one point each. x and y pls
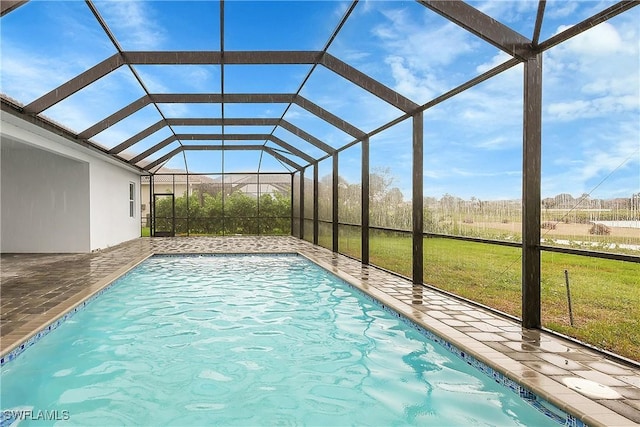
(164, 233)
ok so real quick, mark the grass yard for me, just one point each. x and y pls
(605, 296)
(605, 293)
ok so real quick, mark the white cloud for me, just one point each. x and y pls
(591, 108)
(42, 74)
(353, 56)
(435, 174)
(111, 137)
(603, 39)
(133, 23)
(152, 83)
(424, 44)
(409, 83)
(510, 13)
(169, 78)
(128, 127)
(354, 105)
(499, 58)
(490, 111)
(568, 110)
(70, 116)
(199, 77)
(496, 143)
(601, 48)
(74, 113)
(556, 9)
(27, 75)
(600, 155)
(424, 53)
(616, 149)
(367, 6)
(603, 86)
(292, 115)
(595, 74)
(174, 110)
(340, 9)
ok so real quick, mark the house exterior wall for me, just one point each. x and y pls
(95, 189)
(111, 223)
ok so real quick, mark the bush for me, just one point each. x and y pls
(205, 214)
(600, 230)
(548, 225)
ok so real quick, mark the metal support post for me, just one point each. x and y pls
(418, 139)
(531, 172)
(301, 204)
(315, 203)
(364, 201)
(334, 204)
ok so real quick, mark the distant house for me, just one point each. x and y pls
(175, 181)
(169, 181)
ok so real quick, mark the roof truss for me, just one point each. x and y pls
(222, 137)
(483, 26)
(465, 15)
(183, 148)
(216, 58)
(7, 6)
(223, 122)
(217, 98)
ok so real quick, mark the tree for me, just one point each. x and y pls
(379, 182)
(387, 205)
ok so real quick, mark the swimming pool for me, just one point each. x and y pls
(249, 340)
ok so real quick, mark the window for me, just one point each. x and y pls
(132, 199)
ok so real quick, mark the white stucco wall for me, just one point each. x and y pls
(106, 192)
(111, 223)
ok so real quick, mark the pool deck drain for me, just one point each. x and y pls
(36, 289)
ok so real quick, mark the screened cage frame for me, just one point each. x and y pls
(297, 162)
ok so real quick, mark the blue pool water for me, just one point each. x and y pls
(247, 340)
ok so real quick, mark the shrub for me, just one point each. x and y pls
(600, 230)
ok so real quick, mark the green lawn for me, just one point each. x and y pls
(606, 301)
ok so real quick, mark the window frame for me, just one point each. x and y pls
(132, 199)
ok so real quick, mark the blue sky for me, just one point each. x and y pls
(591, 110)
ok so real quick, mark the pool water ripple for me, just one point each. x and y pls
(249, 340)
